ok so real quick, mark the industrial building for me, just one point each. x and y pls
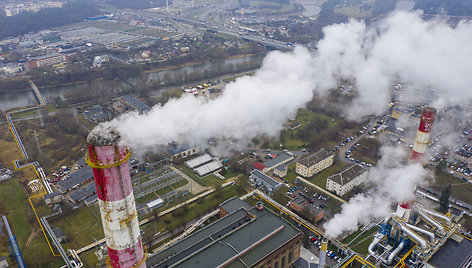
(416, 236)
(53, 198)
(262, 180)
(281, 171)
(246, 237)
(48, 60)
(204, 165)
(310, 164)
(344, 181)
(280, 159)
(231, 205)
(178, 153)
(82, 194)
(135, 104)
(75, 180)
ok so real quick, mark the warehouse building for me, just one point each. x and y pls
(53, 198)
(204, 165)
(135, 104)
(281, 159)
(75, 180)
(253, 237)
(346, 180)
(198, 161)
(48, 60)
(181, 152)
(281, 171)
(262, 180)
(231, 205)
(91, 199)
(310, 164)
(82, 194)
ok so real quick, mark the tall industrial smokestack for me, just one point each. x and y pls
(111, 172)
(324, 247)
(417, 154)
(422, 136)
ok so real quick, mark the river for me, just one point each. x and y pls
(27, 98)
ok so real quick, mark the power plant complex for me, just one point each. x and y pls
(409, 237)
(414, 231)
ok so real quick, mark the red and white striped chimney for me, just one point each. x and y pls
(422, 136)
(417, 154)
(111, 172)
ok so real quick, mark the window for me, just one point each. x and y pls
(276, 264)
(290, 256)
(283, 261)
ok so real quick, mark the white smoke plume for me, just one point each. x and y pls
(402, 47)
(394, 181)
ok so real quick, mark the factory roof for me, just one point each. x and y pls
(178, 149)
(100, 117)
(347, 174)
(198, 161)
(48, 56)
(266, 180)
(281, 167)
(259, 166)
(155, 202)
(452, 254)
(51, 195)
(234, 204)
(89, 200)
(74, 179)
(242, 238)
(208, 168)
(309, 160)
(83, 193)
(282, 158)
(137, 104)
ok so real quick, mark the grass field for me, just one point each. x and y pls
(459, 189)
(320, 178)
(81, 226)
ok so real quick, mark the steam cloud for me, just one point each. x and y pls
(402, 47)
(394, 181)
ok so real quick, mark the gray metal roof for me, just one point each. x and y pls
(83, 193)
(282, 167)
(198, 161)
(226, 238)
(278, 159)
(452, 254)
(82, 175)
(234, 204)
(131, 100)
(348, 174)
(309, 160)
(266, 180)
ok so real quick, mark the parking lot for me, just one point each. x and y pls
(315, 202)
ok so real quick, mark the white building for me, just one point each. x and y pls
(346, 180)
(310, 164)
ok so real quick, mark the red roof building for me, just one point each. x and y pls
(259, 166)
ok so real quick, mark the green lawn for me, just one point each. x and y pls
(212, 180)
(320, 178)
(459, 189)
(15, 205)
(81, 226)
